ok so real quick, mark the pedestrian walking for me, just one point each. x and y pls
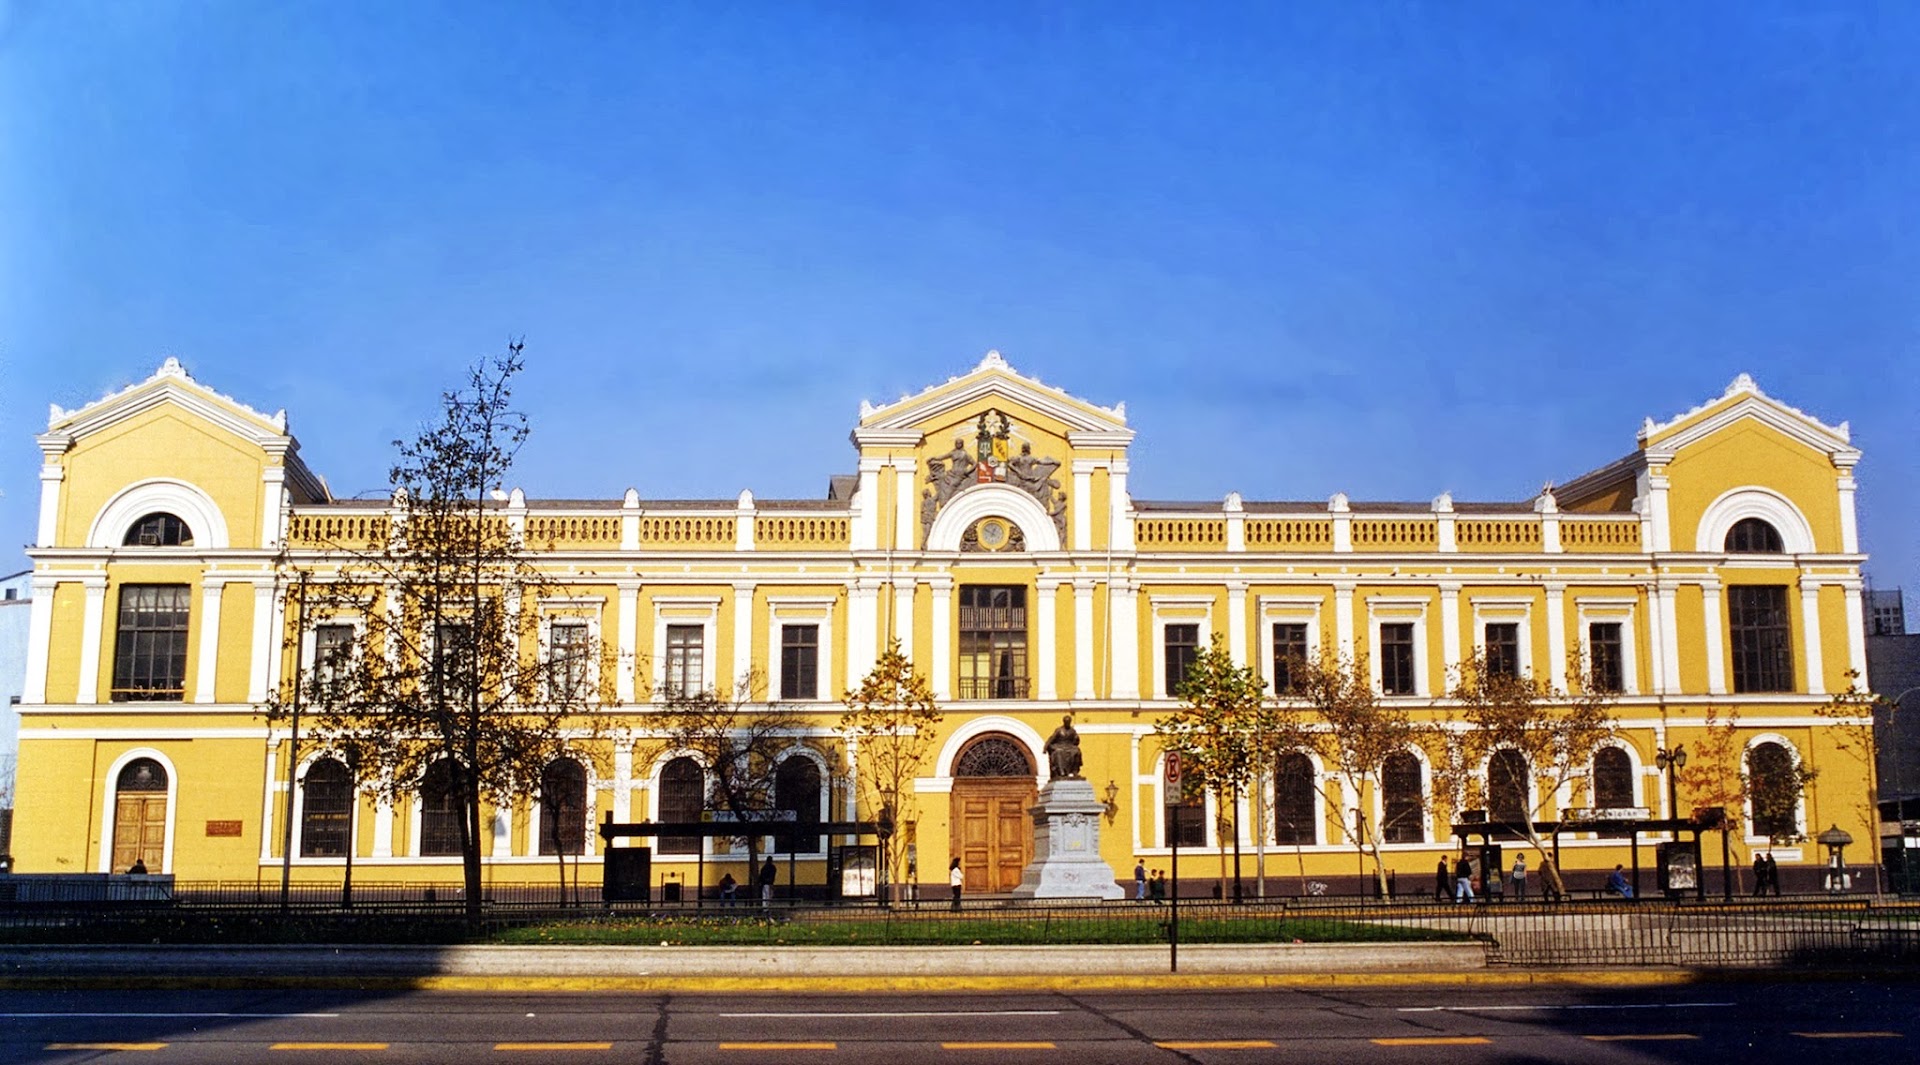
(1442, 881)
(1773, 874)
(768, 874)
(1759, 874)
(1157, 887)
(729, 890)
(1462, 881)
(1519, 878)
(1140, 880)
(955, 879)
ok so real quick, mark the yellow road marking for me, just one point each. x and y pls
(105, 1046)
(553, 1046)
(1432, 1041)
(328, 1046)
(779, 1046)
(1218, 1044)
(997, 1046)
(1638, 1038)
(1849, 1035)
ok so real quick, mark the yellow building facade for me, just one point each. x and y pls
(1711, 574)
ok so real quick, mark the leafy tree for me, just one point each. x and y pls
(1217, 730)
(1330, 711)
(741, 743)
(1556, 733)
(890, 723)
(446, 670)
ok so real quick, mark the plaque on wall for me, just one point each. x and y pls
(224, 828)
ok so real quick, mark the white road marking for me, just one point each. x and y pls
(249, 1015)
(913, 1013)
(1522, 1009)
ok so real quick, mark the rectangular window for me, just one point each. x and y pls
(569, 664)
(993, 642)
(1503, 648)
(1182, 647)
(1608, 666)
(1396, 659)
(1762, 638)
(453, 657)
(150, 653)
(1289, 644)
(799, 661)
(332, 656)
(686, 653)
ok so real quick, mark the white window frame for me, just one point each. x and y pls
(1505, 610)
(300, 808)
(1176, 610)
(785, 610)
(801, 750)
(704, 611)
(586, 610)
(594, 787)
(112, 792)
(654, 773)
(1286, 610)
(1620, 610)
(1426, 804)
(1272, 793)
(1800, 809)
(310, 638)
(1399, 610)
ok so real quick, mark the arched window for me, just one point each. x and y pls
(1773, 786)
(563, 807)
(1293, 816)
(993, 756)
(1403, 808)
(439, 811)
(1507, 786)
(683, 795)
(1612, 779)
(326, 809)
(158, 529)
(1754, 536)
(140, 816)
(796, 788)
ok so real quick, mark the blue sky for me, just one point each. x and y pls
(1389, 249)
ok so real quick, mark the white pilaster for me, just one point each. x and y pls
(1849, 522)
(743, 515)
(273, 498)
(626, 641)
(51, 474)
(1082, 505)
(863, 627)
(1343, 618)
(1660, 525)
(865, 532)
(502, 833)
(1549, 510)
(1669, 647)
(743, 637)
(1237, 622)
(902, 628)
(383, 828)
(1083, 639)
(1120, 506)
(630, 521)
(941, 640)
(263, 612)
(272, 777)
(209, 666)
(90, 638)
(1716, 647)
(1450, 625)
(33, 691)
(1810, 624)
(1236, 512)
(1445, 534)
(1856, 633)
(623, 781)
(1124, 641)
(1046, 684)
(1557, 635)
(1341, 514)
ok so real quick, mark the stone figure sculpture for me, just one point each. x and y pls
(1063, 750)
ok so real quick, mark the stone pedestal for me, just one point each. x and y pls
(1066, 846)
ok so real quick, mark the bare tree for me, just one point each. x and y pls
(1329, 711)
(743, 745)
(1217, 731)
(892, 720)
(445, 685)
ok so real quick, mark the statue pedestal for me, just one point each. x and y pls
(1066, 846)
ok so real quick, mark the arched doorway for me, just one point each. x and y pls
(140, 817)
(992, 833)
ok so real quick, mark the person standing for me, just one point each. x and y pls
(1442, 881)
(1773, 874)
(769, 873)
(1157, 887)
(1462, 881)
(1519, 878)
(1140, 880)
(955, 880)
(729, 890)
(1759, 875)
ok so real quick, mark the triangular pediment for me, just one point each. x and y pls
(1744, 400)
(993, 380)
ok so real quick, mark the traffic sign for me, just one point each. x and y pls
(1173, 778)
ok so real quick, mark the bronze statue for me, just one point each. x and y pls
(1063, 750)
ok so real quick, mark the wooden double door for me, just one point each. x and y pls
(140, 831)
(992, 831)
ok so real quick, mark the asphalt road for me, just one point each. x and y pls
(1858, 1024)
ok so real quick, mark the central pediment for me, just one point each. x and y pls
(993, 383)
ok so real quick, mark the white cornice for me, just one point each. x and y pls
(993, 377)
(1832, 440)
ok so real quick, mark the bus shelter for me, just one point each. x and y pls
(1678, 864)
(627, 876)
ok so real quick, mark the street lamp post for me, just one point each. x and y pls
(1671, 762)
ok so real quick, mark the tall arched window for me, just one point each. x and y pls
(796, 788)
(158, 529)
(1403, 806)
(1507, 786)
(563, 807)
(326, 809)
(1612, 779)
(140, 816)
(1293, 814)
(1773, 786)
(1754, 536)
(683, 795)
(439, 811)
